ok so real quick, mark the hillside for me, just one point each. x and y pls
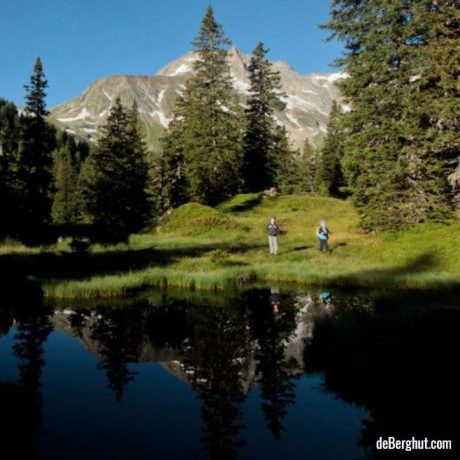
(198, 247)
(308, 98)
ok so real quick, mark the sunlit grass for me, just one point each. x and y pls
(200, 248)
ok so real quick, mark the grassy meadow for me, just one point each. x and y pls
(198, 247)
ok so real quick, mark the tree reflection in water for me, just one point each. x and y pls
(398, 360)
(22, 402)
(118, 334)
(395, 355)
(223, 349)
(32, 330)
(273, 323)
(216, 361)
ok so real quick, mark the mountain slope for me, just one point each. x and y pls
(308, 98)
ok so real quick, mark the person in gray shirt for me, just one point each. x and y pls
(273, 230)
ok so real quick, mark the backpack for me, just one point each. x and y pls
(322, 235)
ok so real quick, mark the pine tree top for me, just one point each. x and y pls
(210, 35)
(265, 83)
(35, 96)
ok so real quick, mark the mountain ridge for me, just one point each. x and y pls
(308, 98)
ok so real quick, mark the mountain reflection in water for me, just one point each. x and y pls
(390, 359)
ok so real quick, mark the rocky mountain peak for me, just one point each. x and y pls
(308, 98)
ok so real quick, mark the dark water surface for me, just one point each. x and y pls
(263, 373)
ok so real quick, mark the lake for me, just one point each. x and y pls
(267, 372)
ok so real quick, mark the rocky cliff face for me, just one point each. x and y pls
(308, 98)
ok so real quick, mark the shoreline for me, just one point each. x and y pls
(214, 249)
(115, 286)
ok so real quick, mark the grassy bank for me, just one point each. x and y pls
(197, 247)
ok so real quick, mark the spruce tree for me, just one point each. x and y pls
(435, 88)
(65, 203)
(262, 140)
(282, 165)
(169, 188)
(9, 161)
(34, 173)
(330, 177)
(204, 145)
(114, 178)
(393, 153)
(305, 169)
(68, 159)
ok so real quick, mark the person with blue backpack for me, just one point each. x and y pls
(323, 236)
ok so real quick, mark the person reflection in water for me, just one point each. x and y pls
(326, 298)
(275, 300)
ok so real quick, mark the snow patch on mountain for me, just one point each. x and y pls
(330, 78)
(183, 68)
(295, 102)
(90, 130)
(163, 119)
(161, 94)
(240, 85)
(83, 114)
(293, 119)
(108, 96)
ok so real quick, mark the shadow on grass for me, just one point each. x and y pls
(423, 264)
(245, 204)
(50, 265)
(300, 248)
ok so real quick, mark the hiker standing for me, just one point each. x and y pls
(273, 230)
(323, 235)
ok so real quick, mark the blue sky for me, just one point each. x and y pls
(82, 40)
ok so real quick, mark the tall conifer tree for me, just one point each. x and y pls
(65, 203)
(282, 165)
(435, 86)
(9, 161)
(330, 177)
(262, 140)
(35, 154)
(394, 157)
(114, 178)
(305, 169)
(204, 145)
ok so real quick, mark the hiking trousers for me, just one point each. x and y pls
(323, 246)
(273, 244)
